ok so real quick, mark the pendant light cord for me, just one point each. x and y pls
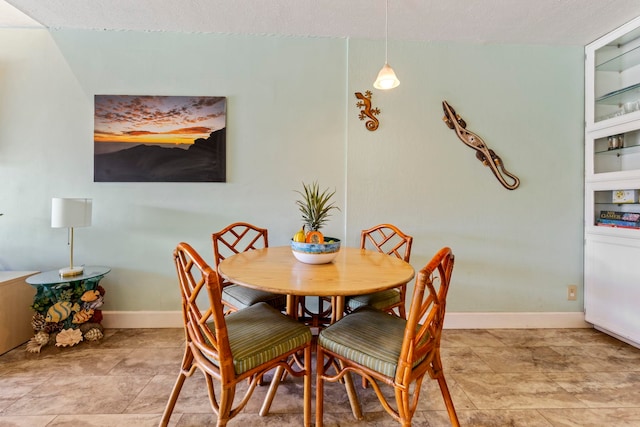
(386, 31)
(386, 77)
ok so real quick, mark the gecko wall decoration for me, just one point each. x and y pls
(365, 102)
(487, 156)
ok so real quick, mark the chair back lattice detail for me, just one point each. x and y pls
(238, 237)
(388, 239)
(234, 239)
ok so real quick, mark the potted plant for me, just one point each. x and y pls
(309, 245)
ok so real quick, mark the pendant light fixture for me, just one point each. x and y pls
(386, 77)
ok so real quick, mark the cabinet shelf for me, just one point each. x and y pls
(620, 96)
(617, 226)
(618, 151)
(630, 205)
(621, 62)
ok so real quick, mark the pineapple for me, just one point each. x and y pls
(316, 209)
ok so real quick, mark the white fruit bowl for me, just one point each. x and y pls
(316, 253)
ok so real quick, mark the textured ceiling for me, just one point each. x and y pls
(556, 22)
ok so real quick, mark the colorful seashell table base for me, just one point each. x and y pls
(67, 310)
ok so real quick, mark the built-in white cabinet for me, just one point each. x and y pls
(612, 287)
(612, 183)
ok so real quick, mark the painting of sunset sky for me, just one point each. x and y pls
(159, 138)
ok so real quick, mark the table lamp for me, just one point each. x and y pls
(70, 213)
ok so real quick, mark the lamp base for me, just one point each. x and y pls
(71, 271)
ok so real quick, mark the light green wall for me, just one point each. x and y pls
(292, 117)
(515, 250)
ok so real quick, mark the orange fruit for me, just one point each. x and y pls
(315, 237)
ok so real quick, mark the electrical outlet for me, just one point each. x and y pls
(572, 292)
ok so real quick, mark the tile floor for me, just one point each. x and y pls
(504, 377)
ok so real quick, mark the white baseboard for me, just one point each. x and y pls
(142, 319)
(515, 320)
(173, 319)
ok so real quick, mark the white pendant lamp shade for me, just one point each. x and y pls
(386, 78)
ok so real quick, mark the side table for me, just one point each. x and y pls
(67, 309)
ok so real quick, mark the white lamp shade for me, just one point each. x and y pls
(386, 78)
(67, 213)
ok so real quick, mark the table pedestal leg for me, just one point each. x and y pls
(338, 308)
(292, 306)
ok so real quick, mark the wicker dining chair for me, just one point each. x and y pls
(235, 238)
(234, 347)
(389, 239)
(389, 350)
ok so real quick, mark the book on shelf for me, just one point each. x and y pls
(620, 216)
(618, 223)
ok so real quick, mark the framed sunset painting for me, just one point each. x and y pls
(159, 138)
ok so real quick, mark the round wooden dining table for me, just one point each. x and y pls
(353, 272)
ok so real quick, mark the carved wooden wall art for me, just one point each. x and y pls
(487, 156)
(365, 102)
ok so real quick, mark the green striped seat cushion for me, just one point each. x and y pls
(241, 297)
(379, 300)
(260, 333)
(369, 337)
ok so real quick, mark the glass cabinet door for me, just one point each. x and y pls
(613, 153)
(616, 78)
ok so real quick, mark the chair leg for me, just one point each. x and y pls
(168, 410)
(227, 395)
(402, 311)
(307, 387)
(353, 397)
(451, 410)
(347, 379)
(403, 405)
(275, 382)
(187, 361)
(444, 389)
(319, 385)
